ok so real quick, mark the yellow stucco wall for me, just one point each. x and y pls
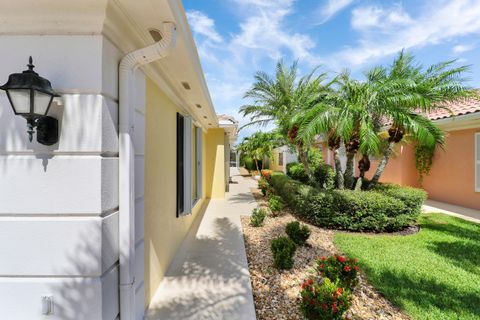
(215, 163)
(274, 161)
(164, 232)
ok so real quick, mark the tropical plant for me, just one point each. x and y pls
(299, 233)
(259, 146)
(398, 96)
(277, 99)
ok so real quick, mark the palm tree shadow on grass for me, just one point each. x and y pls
(402, 289)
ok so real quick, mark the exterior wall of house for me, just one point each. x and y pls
(215, 163)
(452, 177)
(400, 168)
(275, 160)
(59, 203)
(164, 231)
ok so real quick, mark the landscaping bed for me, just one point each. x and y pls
(277, 292)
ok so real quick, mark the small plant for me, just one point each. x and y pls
(299, 233)
(340, 269)
(266, 174)
(275, 203)
(283, 250)
(257, 217)
(323, 299)
(263, 185)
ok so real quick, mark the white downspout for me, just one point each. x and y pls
(126, 191)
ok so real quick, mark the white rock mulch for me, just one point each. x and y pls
(276, 293)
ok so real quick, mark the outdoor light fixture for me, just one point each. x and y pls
(31, 96)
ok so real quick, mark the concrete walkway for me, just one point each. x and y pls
(452, 210)
(209, 277)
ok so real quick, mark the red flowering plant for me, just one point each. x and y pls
(340, 269)
(323, 299)
(263, 185)
(266, 174)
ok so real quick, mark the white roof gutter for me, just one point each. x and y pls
(128, 65)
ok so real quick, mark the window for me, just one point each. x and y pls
(477, 162)
(280, 159)
(189, 164)
(197, 164)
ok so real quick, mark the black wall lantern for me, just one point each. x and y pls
(31, 96)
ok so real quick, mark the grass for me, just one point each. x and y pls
(434, 274)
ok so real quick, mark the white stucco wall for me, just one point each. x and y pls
(59, 204)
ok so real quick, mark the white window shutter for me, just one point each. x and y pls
(477, 162)
(199, 161)
(187, 160)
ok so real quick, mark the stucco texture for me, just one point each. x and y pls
(164, 232)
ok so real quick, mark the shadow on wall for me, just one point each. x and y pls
(84, 294)
(210, 282)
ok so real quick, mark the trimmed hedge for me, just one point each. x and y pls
(386, 208)
(322, 172)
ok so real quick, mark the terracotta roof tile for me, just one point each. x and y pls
(457, 108)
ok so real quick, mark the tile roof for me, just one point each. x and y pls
(457, 108)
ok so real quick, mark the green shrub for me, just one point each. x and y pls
(413, 198)
(325, 176)
(299, 233)
(257, 217)
(386, 208)
(285, 187)
(283, 250)
(275, 203)
(263, 185)
(323, 299)
(340, 269)
(296, 171)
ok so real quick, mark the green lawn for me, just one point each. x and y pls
(434, 274)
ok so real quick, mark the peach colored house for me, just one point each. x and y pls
(455, 174)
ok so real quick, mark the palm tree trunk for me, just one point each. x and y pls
(338, 170)
(256, 164)
(349, 170)
(358, 185)
(383, 163)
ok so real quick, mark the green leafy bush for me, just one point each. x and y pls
(263, 185)
(340, 269)
(386, 208)
(275, 203)
(325, 176)
(257, 217)
(299, 233)
(283, 250)
(296, 171)
(413, 198)
(323, 299)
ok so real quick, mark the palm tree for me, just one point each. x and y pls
(260, 145)
(407, 93)
(277, 100)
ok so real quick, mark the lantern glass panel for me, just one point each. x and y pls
(42, 101)
(20, 100)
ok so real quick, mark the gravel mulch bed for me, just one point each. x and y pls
(276, 293)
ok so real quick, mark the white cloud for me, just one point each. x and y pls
(461, 48)
(377, 17)
(439, 22)
(263, 30)
(331, 8)
(203, 25)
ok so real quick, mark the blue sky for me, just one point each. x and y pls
(236, 38)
